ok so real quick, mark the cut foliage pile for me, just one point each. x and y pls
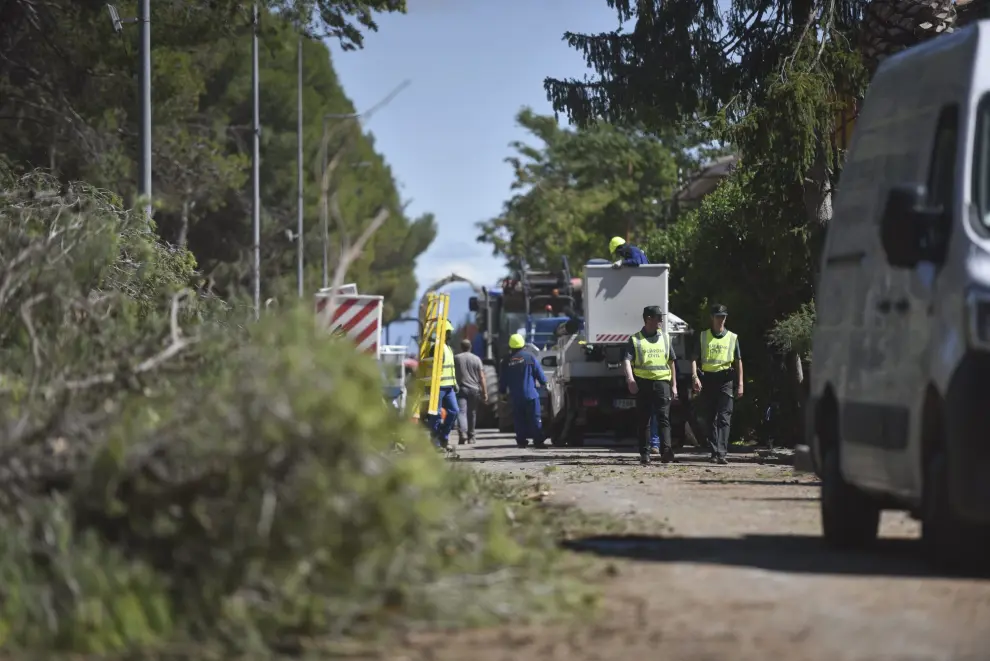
(178, 484)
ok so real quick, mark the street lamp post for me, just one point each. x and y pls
(299, 172)
(256, 164)
(144, 83)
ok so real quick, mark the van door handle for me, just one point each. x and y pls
(884, 306)
(902, 305)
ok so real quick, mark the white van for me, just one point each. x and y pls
(899, 414)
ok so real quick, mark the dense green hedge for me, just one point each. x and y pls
(171, 477)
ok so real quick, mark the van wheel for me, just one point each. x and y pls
(949, 544)
(556, 428)
(850, 518)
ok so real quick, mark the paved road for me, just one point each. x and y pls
(733, 568)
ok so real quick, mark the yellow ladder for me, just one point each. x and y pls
(434, 323)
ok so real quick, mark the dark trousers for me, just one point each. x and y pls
(653, 401)
(714, 406)
(441, 427)
(526, 420)
(467, 405)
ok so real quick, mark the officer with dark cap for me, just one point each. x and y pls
(719, 382)
(648, 362)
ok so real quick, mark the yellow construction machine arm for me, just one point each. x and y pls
(443, 282)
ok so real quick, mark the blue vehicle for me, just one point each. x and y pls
(536, 304)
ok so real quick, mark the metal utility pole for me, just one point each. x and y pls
(144, 19)
(144, 83)
(256, 165)
(299, 170)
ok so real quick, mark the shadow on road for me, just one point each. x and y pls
(782, 483)
(555, 458)
(784, 553)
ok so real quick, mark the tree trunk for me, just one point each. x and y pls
(818, 191)
(183, 224)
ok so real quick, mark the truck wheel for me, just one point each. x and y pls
(850, 518)
(554, 430)
(504, 409)
(949, 544)
(488, 413)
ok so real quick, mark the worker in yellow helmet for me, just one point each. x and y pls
(441, 426)
(625, 254)
(520, 375)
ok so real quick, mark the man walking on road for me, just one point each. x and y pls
(471, 391)
(521, 373)
(440, 426)
(720, 381)
(648, 362)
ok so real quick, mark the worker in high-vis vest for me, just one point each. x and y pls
(717, 375)
(521, 375)
(648, 362)
(442, 426)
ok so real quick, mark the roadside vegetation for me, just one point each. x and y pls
(177, 483)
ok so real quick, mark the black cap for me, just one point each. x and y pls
(719, 309)
(652, 311)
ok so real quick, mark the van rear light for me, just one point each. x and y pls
(590, 402)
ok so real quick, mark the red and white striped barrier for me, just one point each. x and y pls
(606, 337)
(356, 317)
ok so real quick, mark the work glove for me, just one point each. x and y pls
(617, 264)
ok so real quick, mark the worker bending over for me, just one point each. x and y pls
(440, 426)
(648, 362)
(625, 254)
(719, 383)
(520, 375)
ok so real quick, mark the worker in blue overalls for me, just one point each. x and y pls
(441, 427)
(520, 375)
(625, 254)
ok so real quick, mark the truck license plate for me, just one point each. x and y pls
(625, 403)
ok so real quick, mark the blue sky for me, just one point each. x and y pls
(472, 65)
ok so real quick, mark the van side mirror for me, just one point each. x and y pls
(473, 304)
(909, 230)
(549, 361)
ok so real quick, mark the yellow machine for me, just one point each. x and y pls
(435, 324)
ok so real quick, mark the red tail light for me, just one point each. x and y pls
(590, 402)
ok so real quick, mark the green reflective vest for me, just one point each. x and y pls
(717, 353)
(650, 357)
(448, 376)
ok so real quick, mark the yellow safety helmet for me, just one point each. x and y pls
(615, 243)
(516, 341)
(447, 328)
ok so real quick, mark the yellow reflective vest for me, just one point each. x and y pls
(650, 357)
(717, 353)
(448, 376)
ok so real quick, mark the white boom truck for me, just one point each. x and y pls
(588, 392)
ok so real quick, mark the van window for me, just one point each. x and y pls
(981, 161)
(942, 173)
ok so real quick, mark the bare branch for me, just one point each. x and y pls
(348, 257)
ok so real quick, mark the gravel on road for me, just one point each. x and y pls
(731, 566)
